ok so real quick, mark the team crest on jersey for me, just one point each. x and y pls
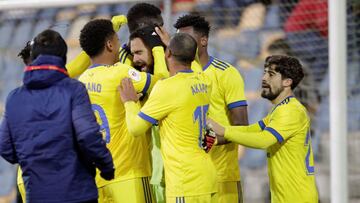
(135, 75)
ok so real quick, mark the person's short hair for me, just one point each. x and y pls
(287, 66)
(48, 42)
(199, 24)
(143, 14)
(280, 46)
(183, 48)
(148, 36)
(94, 35)
(24, 54)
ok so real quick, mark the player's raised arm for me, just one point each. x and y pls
(160, 68)
(78, 65)
(82, 61)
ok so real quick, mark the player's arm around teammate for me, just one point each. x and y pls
(284, 133)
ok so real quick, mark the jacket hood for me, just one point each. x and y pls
(44, 71)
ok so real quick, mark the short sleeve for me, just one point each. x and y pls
(233, 87)
(159, 104)
(264, 122)
(142, 81)
(283, 124)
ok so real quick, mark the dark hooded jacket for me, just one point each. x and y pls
(51, 131)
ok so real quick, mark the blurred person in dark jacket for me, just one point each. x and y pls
(49, 129)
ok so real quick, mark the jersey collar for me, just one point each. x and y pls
(95, 65)
(208, 63)
(185, 71)
(282, 102)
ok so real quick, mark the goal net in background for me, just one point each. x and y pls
(243, 33)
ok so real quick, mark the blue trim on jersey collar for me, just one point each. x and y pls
(237, 104)
(289, 97)
(208, 63)
(185, 71)
(95, 65)
(277, 135)
(147, 118)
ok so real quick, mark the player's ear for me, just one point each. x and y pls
(167, 53)
(203, 41)
(287, 82)
(109, 46)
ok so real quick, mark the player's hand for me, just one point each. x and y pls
(163, 34)
(127, 91)
(209, 139)
(151, 38)
(217, 128)
(118, 21)
(108, 175)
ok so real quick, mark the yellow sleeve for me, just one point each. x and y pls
(125, 56)
(233, 87)
(136, 126)
(284, 123)
(143, 82)
(263, 122)
(78, 65)
(159, 104)
(249, 136)
(160, 68)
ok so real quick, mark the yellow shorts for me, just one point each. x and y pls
(21, 188)
(208, 198)
(136, 190)
(230, 192)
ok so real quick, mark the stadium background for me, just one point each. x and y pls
(243, 33)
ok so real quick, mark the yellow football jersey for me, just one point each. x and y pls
(227, 93)
(131, 155)
(290, 161)
(180, 104)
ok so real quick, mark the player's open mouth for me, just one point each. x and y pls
(265, 86)
(144, 68)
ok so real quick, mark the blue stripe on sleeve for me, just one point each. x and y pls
(147, 84)
(147, 118)
(262, 125)
(279, 138)
(237, 104)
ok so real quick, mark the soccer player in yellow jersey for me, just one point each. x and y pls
(179, 105)
(131, 155)
(147, 52)
(228, 106)
(284, 133)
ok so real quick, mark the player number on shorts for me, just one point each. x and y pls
(102, 120)
(200, 116)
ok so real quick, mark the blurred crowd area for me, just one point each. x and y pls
(243, 33)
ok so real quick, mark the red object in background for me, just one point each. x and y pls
(309, 14)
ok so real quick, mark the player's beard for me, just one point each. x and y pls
(143, 67)
(271, 93)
